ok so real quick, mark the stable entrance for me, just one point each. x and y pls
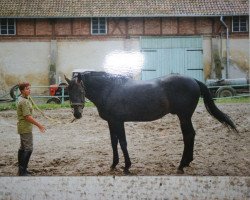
(172, 55)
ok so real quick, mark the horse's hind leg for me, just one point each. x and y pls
(188, 138)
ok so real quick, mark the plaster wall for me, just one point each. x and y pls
(96, 55)
(30, 61)
(24, 61)
(239, 58)
(207, 62)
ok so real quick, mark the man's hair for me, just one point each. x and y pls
(23, 85)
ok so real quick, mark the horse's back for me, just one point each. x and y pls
(137, 100)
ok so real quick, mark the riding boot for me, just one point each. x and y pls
(27, 155)
(24, 164)
(20, 156)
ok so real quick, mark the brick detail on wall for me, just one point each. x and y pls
(120, 27)
(169, 26)
(81, 27)
(117, 26)
(43, 27)
(186, 26)
(152, 26)
(204, 25)
(135, 26)
(63, 27)
(25, 27)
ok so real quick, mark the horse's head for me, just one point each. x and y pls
(76, 94)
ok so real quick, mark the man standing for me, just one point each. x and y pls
(24, 128)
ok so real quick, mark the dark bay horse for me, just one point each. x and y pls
(121, 99)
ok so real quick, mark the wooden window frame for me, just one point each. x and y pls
(100, 26)
(240, 23)
(9, 27)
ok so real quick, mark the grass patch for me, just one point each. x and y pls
(230, 100)
(57, 106)
(233, 100)
(7, 106)
(12, 106)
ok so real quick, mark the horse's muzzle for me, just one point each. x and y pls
(78, 111)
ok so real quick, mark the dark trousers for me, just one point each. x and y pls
(26, 141)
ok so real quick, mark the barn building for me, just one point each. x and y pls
(41, 40)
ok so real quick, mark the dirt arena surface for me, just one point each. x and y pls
(83, 147)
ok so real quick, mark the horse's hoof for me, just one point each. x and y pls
(127, 172)
(112, 168)
(180, 171)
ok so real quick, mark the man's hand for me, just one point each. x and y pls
(42, 128)
(30, 119)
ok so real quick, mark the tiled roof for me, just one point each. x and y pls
(121, 8)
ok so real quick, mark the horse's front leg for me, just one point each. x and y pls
(114, 143)
(118, 129)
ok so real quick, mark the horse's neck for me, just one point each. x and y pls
(96, 89)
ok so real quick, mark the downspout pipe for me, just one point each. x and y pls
(227, 45)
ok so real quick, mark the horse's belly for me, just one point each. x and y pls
(140, 105)
(145, 116)
(138, 112)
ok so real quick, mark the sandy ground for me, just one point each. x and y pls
(84, 148)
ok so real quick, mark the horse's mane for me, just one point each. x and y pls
(110, 78)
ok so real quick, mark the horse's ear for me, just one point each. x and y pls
(68, 81)
(79, 77)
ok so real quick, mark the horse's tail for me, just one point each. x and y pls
(213, 109)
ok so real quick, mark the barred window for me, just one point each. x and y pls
(240, 24)
(99, 26)
(7, 27)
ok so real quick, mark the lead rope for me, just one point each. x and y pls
(38, 109)
(73, 120)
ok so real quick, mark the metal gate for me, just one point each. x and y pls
(172, 55)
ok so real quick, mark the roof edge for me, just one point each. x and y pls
(122, 16)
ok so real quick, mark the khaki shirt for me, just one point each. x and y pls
(24, 108)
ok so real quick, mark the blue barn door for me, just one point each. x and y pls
(172, 55)
(150, 69)
(193, 64)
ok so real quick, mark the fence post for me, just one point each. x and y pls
(62, 95)
(16, 95)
